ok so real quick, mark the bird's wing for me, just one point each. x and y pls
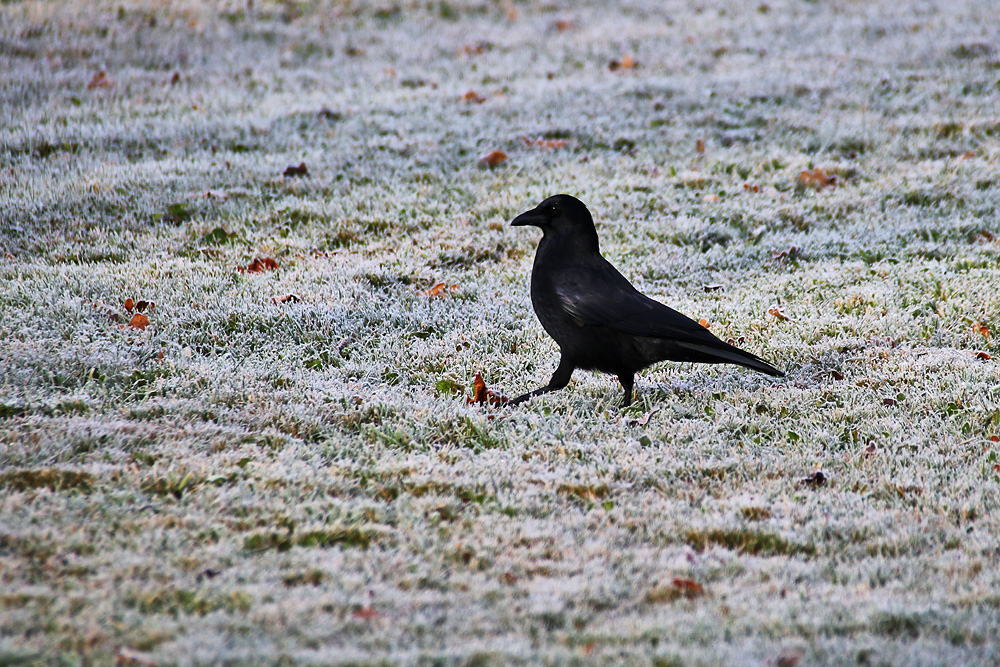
(600, 296)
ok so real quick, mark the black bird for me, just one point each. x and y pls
(600, 321)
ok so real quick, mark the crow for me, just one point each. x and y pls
(600, 321)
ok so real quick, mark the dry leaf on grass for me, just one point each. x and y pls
(626, 63)
(817, 178)
(779, 312)
(541, 142)
(259, 265)
(985, 356)
(562, 25)
(815, 480)
(982, 329)
(293, 171)
(493, 159)
(100, 80)
(472, 97)
(440, 289)
(139, 321)
(288, 298)
(367, 613)
(705, 323)
(699, 145)
(689, 588)
(483, 394)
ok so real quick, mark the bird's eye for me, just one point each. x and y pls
(553, 209)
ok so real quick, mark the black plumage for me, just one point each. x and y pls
(600, 321)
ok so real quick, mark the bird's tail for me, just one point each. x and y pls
(732, 355)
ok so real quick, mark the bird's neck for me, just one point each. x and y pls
(567, 248)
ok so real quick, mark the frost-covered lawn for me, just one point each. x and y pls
(259, 479)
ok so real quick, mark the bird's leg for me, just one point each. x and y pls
(559, 380)
(628, 381)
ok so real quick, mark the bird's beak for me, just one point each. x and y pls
(534, 217)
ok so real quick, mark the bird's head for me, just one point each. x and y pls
(563, 216)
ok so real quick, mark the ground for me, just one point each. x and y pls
(253, 258)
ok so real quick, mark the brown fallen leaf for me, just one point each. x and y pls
(626, 63)
(705, 323)
(541, 142)
(699, 145)
(141, 305)
(293, 172)
(367, 613)
(288, 298)
(259, 265)
(100, 80)
(483, 395)
(126, 657)
(643, 420)
(439, 290)
(129, 304)
(982, 329)
(562, 25)
(751, 188)
(815, 480)
(139, 321)
(779, 312)
(985, 356)
(792, 252)
(472, 97)
(689, 588)
(817, 178)
(493, 159)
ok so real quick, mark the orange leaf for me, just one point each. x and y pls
(476, 48)
(139, 321)
(493, 159)
(541, 142)
(995, 438)
(705, 323)
(699, 145)
(366, 613)
(778, 312)
(288, 298)
(301, 170)
(817, 178)
(562, 25)
(982, 329)
(472, 97)
(627, 62)
(100, 80)
(985, 356)
(260, 265)
(484, 395)
(129, 304)
(689, 588)
(440, 289)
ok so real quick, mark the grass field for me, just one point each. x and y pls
(238, 476)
